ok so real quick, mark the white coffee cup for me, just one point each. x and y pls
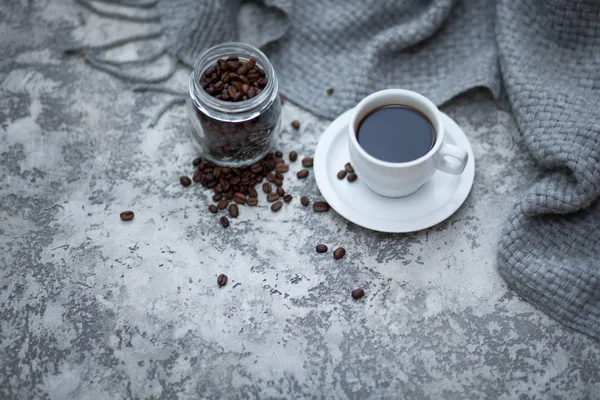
(400, 179)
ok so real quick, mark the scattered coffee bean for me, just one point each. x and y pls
(213, 209)
(304, 201)
(330, 91)
(287, 198)
(278, 154)
(348, 167)
(271, 197)
(234, 211)
(197, 176)
(223, 204)
(352, 177)
(282, 168)
(339, 253)
(185, 181)
(276, 206)
(278, 182)
(224, 221)
(321, 248)
(222, 280)
(197, 161)
(252, 201)
(267, 188)
(293, 156)
(357, 294)
(307, 162)
(342, 174)
(296, 124)
(320, 206)
(217, 197)
(280, 191)
(270, 177)
(303, 173)
(126, 215)
(239, 198)
(252, 192)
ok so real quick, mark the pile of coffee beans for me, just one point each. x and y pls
(348, 173)
(233, 187)
(234, 80)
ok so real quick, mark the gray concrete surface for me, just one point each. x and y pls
(94, 308)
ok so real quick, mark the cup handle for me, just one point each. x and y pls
(458, 155)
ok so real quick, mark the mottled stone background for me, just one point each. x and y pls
(91, 307)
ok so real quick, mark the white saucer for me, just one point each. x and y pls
(435, 201)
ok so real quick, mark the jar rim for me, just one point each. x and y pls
(212, 105)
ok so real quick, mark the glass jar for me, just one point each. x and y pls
(234, 133)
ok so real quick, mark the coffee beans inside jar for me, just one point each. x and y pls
(234, 106)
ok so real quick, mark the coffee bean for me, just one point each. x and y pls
(339, 253)
(210, 71)
(330, 91)
(197, 176)
(217, 197)
(307, 162)
(278, 154)
(271, 197)
(342, 174)
(302, 174)
(296, 124)
(185, 181)
(352, 177)
(282, 168)
(304, 201)
(222, 279)
(357, 294)
(267, 188)
(276, 206)
(348, 167)
(232, 91)
(223, 204)
(278, 182)
(256, 167)
(250, 64)
(126, 215)
(213, 209)
(287, 198)
(234, 211)
(321, 248)
(293, 156)
(224, 221)
(320, 206)
(270, 177)
(280, 191)
(278, 175)
(239, 198)
(197, 161)
(252, 192)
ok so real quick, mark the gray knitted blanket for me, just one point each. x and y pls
(541, 58)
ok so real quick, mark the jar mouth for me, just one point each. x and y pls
(215, 107)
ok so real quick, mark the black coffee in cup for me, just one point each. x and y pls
(396, 133)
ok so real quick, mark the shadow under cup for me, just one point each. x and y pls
(395, 179)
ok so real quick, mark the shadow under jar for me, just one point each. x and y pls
(234, 133)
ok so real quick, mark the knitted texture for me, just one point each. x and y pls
(541, 58)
